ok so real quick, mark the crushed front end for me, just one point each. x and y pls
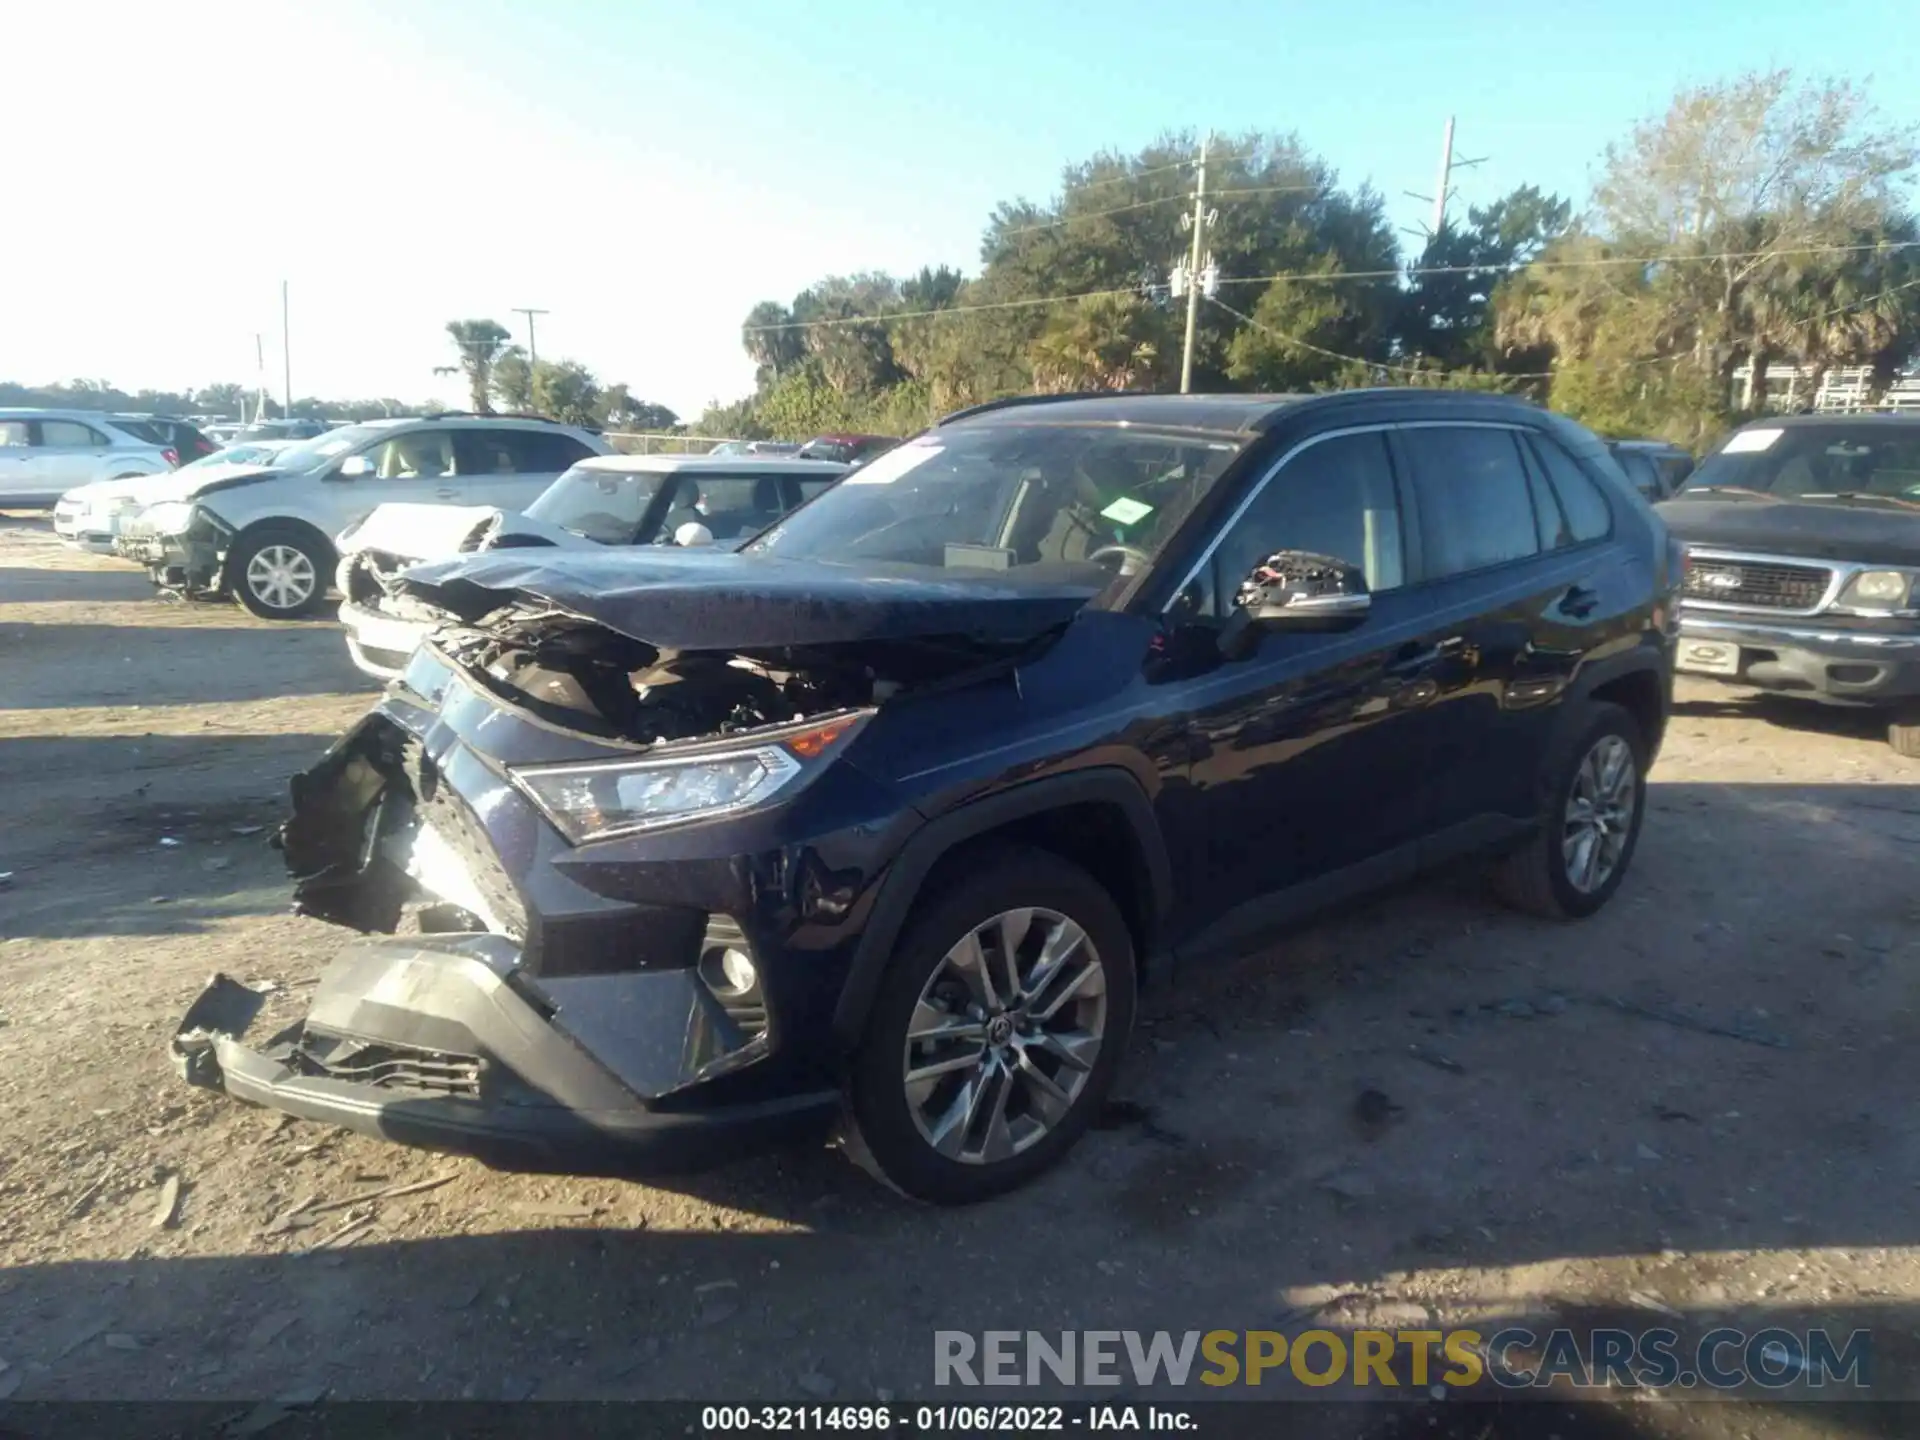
(183, 546)
(548, 981)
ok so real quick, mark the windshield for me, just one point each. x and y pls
(245, 454)
(1006, 497)
(606, 506)
(322, 450)
(1815, 462)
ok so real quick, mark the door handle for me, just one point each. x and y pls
(1579, 602)
(1411, 659)
(447, 492)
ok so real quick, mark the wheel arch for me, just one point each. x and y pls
(1098, 818)
(1640, 683)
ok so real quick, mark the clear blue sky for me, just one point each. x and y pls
(646, 171)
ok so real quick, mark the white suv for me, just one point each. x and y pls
(263, 534)
(45, 453)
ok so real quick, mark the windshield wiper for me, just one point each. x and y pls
(1724, 490)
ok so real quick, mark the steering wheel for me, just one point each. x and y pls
(1132, 559)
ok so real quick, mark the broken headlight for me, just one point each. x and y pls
(623, 797)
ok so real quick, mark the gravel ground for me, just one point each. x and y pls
(1677, 1108)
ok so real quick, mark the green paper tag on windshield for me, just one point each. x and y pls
(1126, 512)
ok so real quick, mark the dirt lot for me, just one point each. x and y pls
(1561, 1146)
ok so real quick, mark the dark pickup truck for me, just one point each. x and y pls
(1803, 563)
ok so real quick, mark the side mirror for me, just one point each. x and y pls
(354, 467)
(693, 533)
(1295, 590)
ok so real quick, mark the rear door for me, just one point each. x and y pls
(71, 452)
(1510, 556)
(509, 468)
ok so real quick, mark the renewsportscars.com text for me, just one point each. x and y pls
(1513, 1358)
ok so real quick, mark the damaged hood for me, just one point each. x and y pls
(706, 600)
(429, 532)
(193, 483)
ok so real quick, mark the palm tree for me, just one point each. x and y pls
(480, 343)
(1104, 342)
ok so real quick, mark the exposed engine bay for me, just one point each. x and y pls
(580, 674)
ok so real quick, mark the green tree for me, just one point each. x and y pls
(512, 379)
(619, 409)
(480, 344)
(1447, 313)
(1104, 342)
(566, 390)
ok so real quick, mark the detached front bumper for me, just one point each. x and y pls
(1841, 666)
(435, 1042)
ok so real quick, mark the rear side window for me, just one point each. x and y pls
(142, 430)
(1641, 472)
(70, 433)
(1476, 506)
(537, 452)
(1580, 496)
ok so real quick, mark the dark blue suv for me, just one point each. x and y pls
(886, 818)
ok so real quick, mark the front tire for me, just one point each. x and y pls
(280, 573)
(1596, 798)
(996, 1033)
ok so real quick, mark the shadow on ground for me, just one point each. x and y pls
(173, 665)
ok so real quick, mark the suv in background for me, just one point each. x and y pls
(177, 435)
(264, 533)
(846, 449)
(282, 430)
(1803, 564)
(887, 815)
(1656, 468)
(45, 453)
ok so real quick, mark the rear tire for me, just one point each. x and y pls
(1008, 1071)
(280, 573)
(1589, 824)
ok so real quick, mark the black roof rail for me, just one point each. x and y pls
(1007, 402)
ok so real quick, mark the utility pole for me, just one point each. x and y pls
(1199, 222)
(533, 350)
(286, 352)
(260, 376)
(1448, 164)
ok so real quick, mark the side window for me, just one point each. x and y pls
(14, 432)
(1641, 472)
(811, 488)
(1335, 498)
(487, 452)
(1674, 470)
(69, 433)
(1579, 493)
(1476, 507)
(419, 455)
(543, 452)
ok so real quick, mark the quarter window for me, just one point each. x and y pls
(1333, 498)
(1580, 496)
(1476, 506)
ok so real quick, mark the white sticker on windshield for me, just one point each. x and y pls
(1125, 511)
(1749, 440)
(892, 465)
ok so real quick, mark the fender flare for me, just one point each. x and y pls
(1647, 657)
(900, 888)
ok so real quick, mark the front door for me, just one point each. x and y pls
(1311, 755)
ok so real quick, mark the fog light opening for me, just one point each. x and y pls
(729, 972)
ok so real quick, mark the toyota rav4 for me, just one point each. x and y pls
(886, 818)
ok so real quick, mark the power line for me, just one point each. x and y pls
(1148, 204)
(1324, 276)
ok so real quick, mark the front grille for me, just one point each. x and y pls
(1764, 585)
(389, 1067)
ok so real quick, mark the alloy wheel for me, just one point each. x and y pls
(1600, 813)
(1005, 1035)
(280, 576)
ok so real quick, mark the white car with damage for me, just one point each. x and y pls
(88, 517)
(607, 500)
(263, 534)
